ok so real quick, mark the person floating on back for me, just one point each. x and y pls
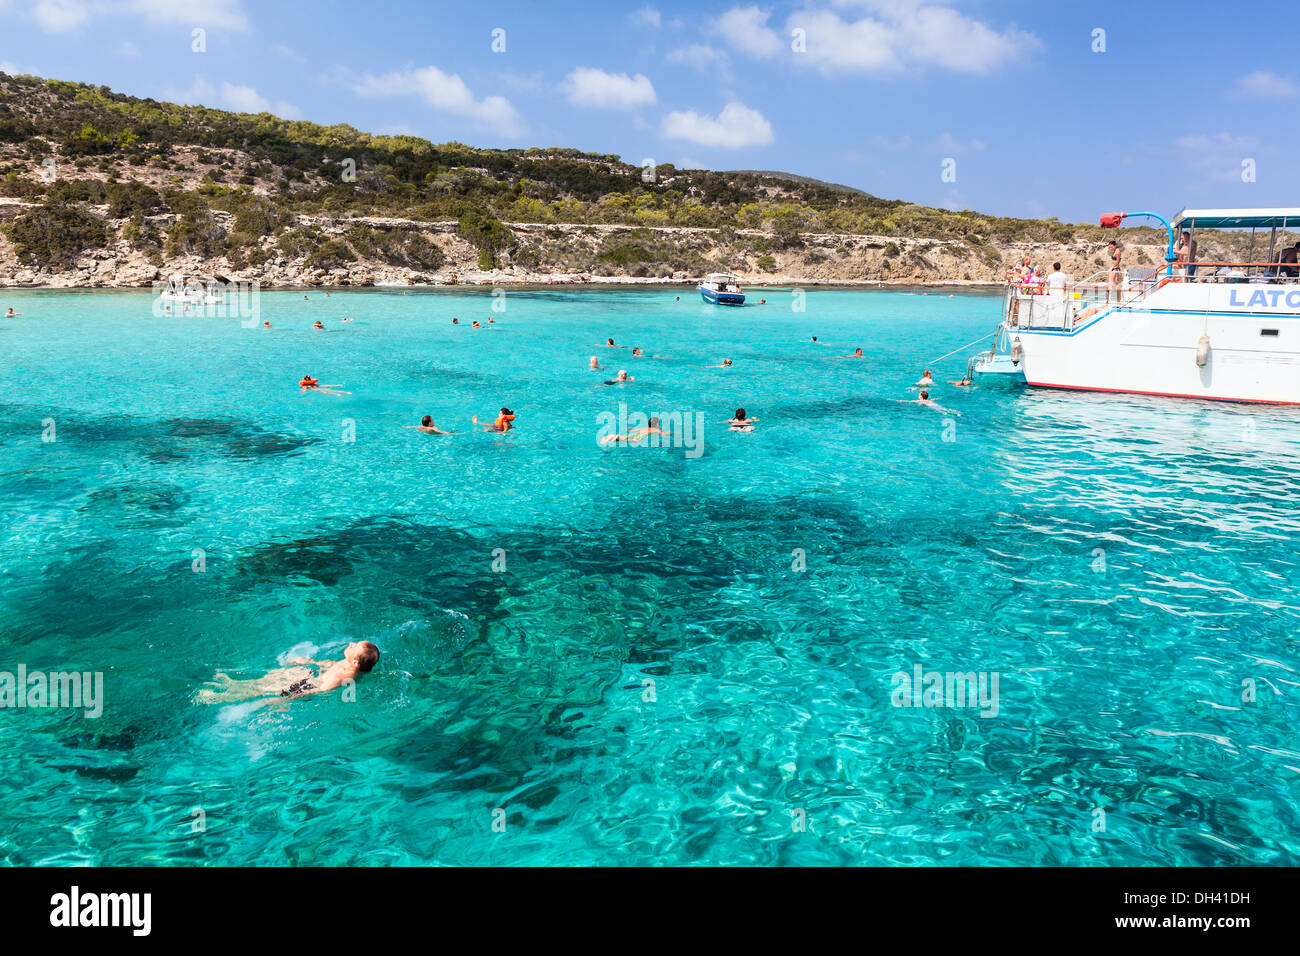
(359, 658)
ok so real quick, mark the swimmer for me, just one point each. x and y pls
(620, 379)
(678, 299)
(928, 402)
(740, 422)
(168, 310)
(266, 324)
(635, 436)
(926, 380)
(455, 321)
(636, 352)
(428, 427)
(304, 298)
(502, 424)
(762, 301)
(490, 320)
(609, 344)
(594, 364)
(318, 325)
(11, 313)
(359, 658)
(309, 384)
(726, 363)
(856, 354)
(476, 325)
(347, 320)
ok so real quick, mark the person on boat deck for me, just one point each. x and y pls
(1185, 251)
(1056, 281)
(1287, 261)
(1116, 258)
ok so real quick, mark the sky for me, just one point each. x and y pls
(1065, 109)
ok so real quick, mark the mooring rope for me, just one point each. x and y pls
(960, 348)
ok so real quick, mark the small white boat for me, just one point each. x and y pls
(721, 288)
(194, 292)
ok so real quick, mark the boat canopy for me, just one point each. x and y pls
(1238, 218)
(721, 277)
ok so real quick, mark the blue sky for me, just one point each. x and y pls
(1035, 121)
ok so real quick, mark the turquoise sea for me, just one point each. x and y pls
(630, 655)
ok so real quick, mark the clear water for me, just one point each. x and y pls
(1123, 564)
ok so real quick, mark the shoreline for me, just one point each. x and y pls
(589, 282)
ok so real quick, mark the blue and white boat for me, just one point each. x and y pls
(721, 288)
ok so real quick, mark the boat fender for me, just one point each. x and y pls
(1202, 350)
(1017, 351)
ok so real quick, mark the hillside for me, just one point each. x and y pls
(99, 188)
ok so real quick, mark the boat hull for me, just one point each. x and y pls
(1253, 355)
(714, 297)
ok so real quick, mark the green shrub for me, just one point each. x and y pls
(53, 236)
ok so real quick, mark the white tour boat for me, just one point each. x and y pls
(1203, 329)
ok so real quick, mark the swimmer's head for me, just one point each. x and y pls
(609, 341)
(622, 373)
(426, 421)
(654, 423)
(740, 414)
(925, 396)
(455, 321)
(362, 653)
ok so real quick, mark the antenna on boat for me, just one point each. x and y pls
(1111, 220)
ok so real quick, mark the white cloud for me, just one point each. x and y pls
(445, 92)
(878, 36)
(735, 127)
(129, 49)
(245, 99)
(221, 14)
(1217, 156)
(702, 56)
(522, 82)
(1266, 86)
(60, 16)
(647, 17)
(590, 87)
(950, 145)
(746, 29)
(10, 68)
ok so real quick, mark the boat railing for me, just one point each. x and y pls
(1032, 305)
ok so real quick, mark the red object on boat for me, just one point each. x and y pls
(1111, 220)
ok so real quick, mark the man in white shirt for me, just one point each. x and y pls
(1056, 281)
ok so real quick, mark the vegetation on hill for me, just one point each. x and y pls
(234, 185)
